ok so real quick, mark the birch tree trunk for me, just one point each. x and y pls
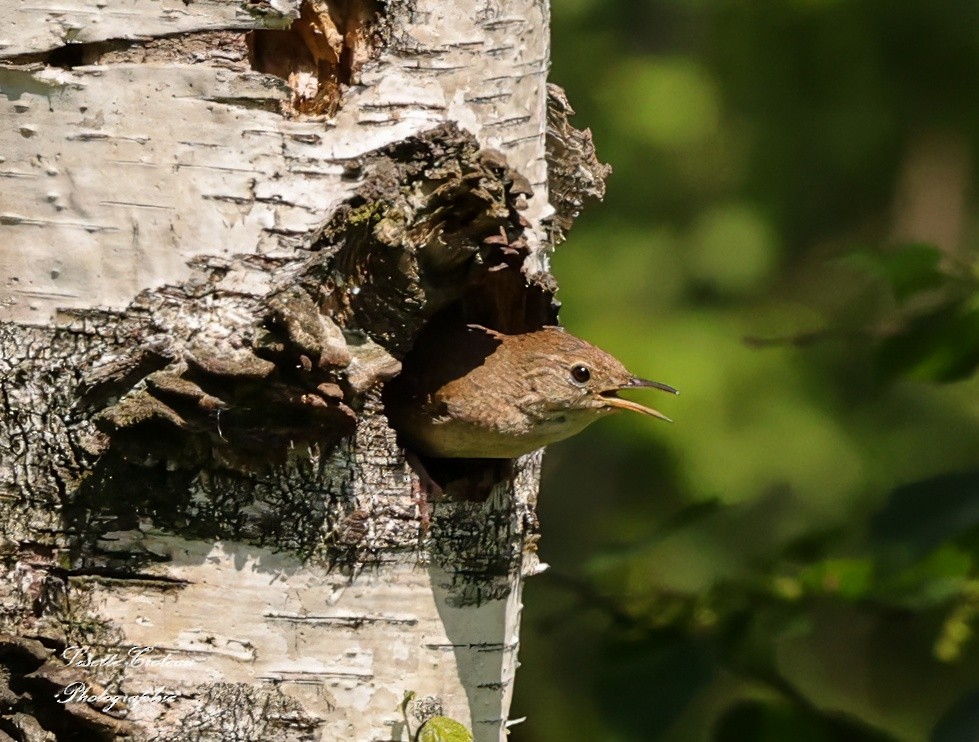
(222, 225)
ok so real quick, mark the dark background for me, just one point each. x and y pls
(790, 238)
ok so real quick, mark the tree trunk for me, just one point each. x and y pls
(222, 225)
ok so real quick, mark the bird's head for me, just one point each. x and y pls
(565, 379)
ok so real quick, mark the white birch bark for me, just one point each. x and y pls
(160, 209)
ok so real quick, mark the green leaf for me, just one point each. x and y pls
(942, 345)
(443, 729)
(920, 516)
(849, 578)
(908, 269)
(961, 722)
(777, 721)
(935, 580)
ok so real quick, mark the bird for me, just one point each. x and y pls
(473, 392)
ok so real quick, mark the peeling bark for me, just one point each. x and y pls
(222, 227)
(321, 53)
(575, 175)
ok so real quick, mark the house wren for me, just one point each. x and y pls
(475, 393)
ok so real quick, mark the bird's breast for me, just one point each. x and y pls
(504, 437)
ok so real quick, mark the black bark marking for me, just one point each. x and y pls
(225, 49)
(234, 711)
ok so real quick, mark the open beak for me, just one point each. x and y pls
(627, 404)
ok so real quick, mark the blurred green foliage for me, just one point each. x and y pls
(797, 558)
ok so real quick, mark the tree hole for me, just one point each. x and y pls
(321, 53)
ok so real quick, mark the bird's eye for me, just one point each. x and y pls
(580, 373)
